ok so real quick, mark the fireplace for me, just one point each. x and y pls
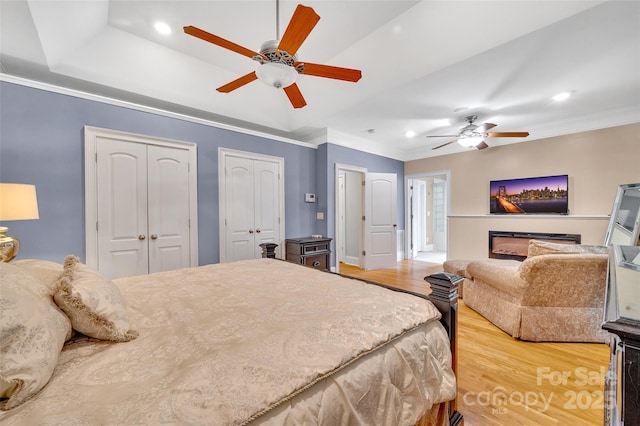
(515, 245)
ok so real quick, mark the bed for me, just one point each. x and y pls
(252, 342)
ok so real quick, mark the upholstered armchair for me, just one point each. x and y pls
(555, 294)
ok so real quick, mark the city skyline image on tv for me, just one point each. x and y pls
(537, 195)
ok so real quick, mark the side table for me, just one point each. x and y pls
(309, 251)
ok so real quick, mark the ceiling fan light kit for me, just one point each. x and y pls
(470, 141)
(276, 75)
(279, 65)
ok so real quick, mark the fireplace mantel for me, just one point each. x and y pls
(529, 216)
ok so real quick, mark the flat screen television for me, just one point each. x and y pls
(536, 195)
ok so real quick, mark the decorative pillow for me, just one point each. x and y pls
(32, 333)
(46, 271)
(93, 303)
(539, 247)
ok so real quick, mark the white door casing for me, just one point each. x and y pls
(251, 204)
(445, 177)
(340, 232)
(380, 235)
(341, 214)
(140, 203)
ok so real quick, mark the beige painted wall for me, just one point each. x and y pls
(596, 162)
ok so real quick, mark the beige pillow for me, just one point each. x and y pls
(46, 271)
(32, 333)
(93, 303)
(539, 247)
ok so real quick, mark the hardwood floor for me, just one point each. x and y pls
(504, 381)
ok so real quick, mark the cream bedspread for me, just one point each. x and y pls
(228, 344)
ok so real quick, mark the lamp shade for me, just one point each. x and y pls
(18, 201)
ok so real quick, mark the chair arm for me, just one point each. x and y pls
(559, 280)
(503, 275)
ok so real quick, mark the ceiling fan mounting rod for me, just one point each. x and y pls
(277, 19)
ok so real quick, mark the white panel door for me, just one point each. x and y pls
(168, 208)
(266, 204)
(252, 200)
(239, 206)
(380, 237)
(122, 208)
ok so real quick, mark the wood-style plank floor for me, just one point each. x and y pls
(504, 381)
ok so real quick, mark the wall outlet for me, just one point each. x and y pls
(309, 198)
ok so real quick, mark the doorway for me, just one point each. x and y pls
(349, 211)
(365, 218)
(427, 211)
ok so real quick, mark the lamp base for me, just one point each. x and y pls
(9, 246)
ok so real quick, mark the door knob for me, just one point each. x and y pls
(141, 237)
(154, 237)
(251, 231)
(258, 230)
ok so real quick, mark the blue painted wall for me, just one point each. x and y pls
(41, 142)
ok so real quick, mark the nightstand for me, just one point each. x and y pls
(309, 251)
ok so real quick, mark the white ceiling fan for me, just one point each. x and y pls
(473, 135)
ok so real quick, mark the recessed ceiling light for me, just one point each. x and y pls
(162, 28)
(561, 96)
(410, 133)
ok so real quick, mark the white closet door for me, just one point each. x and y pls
(239, 206)
(252, 206)
(380, 237)
(168, 199)
(122, 208)
(266, 203)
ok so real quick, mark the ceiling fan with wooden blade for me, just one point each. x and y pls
(279, 63)
(473, 135)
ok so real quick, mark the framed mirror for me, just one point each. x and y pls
(624, 224)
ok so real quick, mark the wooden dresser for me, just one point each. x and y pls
(622, 319)
(309, 251)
